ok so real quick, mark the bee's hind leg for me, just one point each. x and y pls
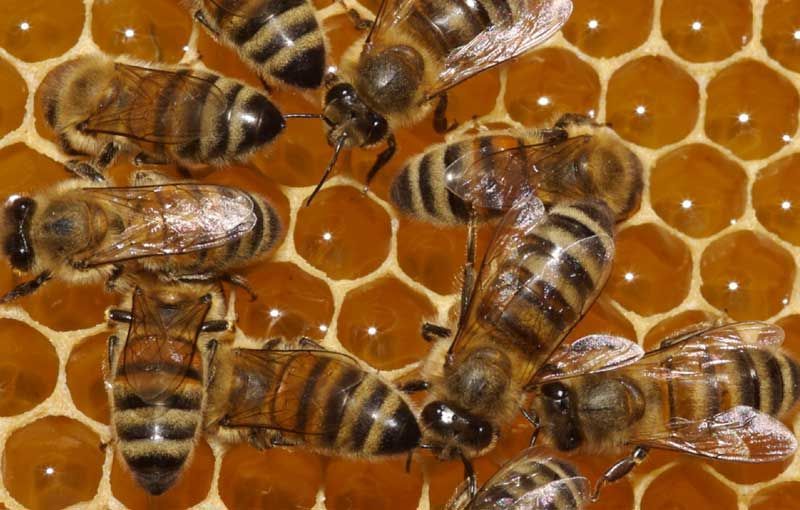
(620, 469)
(440, 116)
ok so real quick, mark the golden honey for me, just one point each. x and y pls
(703, 90)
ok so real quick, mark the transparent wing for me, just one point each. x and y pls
(141, 111)
(171, 219)
(740, 434)
(733, 335)
(160, 348)
(494, 180)
(590, 354)
(278, 381)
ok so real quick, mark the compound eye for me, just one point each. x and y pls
(555, 391)
(342, 92)
(377, 127)
(19, 209)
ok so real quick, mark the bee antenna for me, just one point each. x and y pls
(469, 474)
(26, 288)
(302, 116)
(336, 150)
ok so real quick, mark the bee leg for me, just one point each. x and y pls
(308, 343)
(381, 160)
(533, 419)
(113, 342)
(469, 267)
(107, 156)
(469, 474)
(144, 158)
(440, 116)
(336, 150)
(201, 18)
(413, 386)
(575, 119)
(360, 23)
(211, 348)
(84, 170)
(111, 282)
(229, 278)
(118, 315)
(620, 469)
(240, 282)
(25, 288)
(272, 344)
(215, 326)
(431, 332)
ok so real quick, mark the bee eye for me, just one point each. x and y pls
(377, 127)
(555, 391)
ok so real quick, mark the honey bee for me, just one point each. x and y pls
(99, 107)
(575, 159)
(182, 230)
(712, 392)
(280, 40)
(533, 480)
(158, 377)
(415, 51)
(540, 275)
(303, 395)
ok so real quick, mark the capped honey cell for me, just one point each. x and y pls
(751, 109)
(607, 28)
(776, 198)
(698, 190)
(780, 33)
(85, 378)
(52, 462)
(548, 83)
(706, 31)
(652, 101)
(685, 485)
(337, 243)
(747, 276)
(28, 367)
(14, 91)
(380, 323)
(34, 30)
(652, 270)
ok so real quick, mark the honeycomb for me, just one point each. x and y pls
(704, 90)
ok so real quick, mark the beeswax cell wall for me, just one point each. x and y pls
(705, 91)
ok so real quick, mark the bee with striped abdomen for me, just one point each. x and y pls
(416, 50)
(182, 230)
(713, 393)
(303, 395)
(158, 377)
(574, 160)
(540, 275)
(282, 40)
(533, 480)
(99, 107)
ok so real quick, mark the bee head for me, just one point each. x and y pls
(17, 244)
(452, 432)
(348, 116)
(558, 411)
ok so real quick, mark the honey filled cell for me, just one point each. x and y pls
(602, 317)
(672, 325)
(85, 377)
(52, 462)
(779, 33)
(776, 197)
(688, 485)
(706, 31)
(380, 323)
(778, 496)
(363, 485)
(34, 30)
(603, 28)
(745, 473)
(28, 367)
(15, 92)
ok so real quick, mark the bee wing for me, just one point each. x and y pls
(590, 354)
(160, 346)
(739, 434)
(171, 219)
(494, 180)
(753, 333)
(138, 110)
(533, 23)
(280, 407)
(518, 485)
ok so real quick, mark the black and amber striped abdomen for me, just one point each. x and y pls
(157, 439)
(419, 189)
(281, 39)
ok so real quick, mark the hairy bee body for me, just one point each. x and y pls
(535, 296)
(308, 397)
(157, 395)
(599, 166)
(159, 114)
(280, 39)
(642, 402)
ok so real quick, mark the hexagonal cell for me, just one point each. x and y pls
(40, 29)
(52, 463)
(152, 30)
(380, 323)
(791, 327)
(85, 377)
(672, 325)
(779, 32)
(652, 101)
(747, 276)
(28, 367)
(745, 473)
(248, 478)
(687, 485)
(607, 28)
(570, 86)
(190, 489)
(697, 190)
(360, 485)
(15, 93)
(290, 303)
(776, 198)
(778, 496)
(602, 317)
(337, 243)
(652, 270)
(751, 109)
(706, 31)
(224, 60)
(474, 97)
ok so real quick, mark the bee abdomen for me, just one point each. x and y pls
(776, 377)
